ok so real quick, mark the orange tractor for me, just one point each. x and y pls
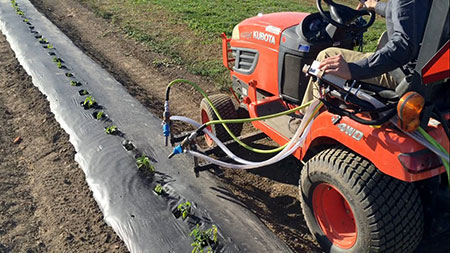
(373, 177)
(374, 159)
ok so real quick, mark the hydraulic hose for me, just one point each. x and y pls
(280, 156)
(231, 121)
(220, 143)
(436, 144)
(262, 151)
(296, 141)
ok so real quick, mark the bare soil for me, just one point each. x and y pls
(57, 211)
(45, 203)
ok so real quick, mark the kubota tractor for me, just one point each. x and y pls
(373, 178)
(374, 158)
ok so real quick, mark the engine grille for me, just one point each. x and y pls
(246, 60)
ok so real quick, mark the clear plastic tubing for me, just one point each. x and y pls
(297, 140)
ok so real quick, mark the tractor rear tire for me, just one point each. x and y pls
(350, 206)
(226, 109)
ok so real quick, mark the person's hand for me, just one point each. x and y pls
(337, 66)
(369, 4)
(360, 4)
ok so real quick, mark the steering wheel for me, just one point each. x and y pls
(342, 16)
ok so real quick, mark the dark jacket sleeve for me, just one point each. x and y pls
(401, 48)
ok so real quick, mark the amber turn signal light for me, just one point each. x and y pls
(408, 109)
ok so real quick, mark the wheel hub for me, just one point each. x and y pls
(334, 216)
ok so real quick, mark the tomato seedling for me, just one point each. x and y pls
(89, 102)
(158, 189)
(74, 83)
(99, 115)
(83, 92)
(185, 209)
(43, 40)
(111, 129)
(203, 238)
(143, 162)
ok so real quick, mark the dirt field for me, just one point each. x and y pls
(271, 192)
(45, 204)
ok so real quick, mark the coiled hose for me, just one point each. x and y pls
(296, 142)
(262, 151)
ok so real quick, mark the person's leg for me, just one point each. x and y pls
(348, 55)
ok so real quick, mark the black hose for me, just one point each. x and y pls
(381, 109)
(342, 112)
(167, 93)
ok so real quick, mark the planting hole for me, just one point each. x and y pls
(75, 83)
(99, 115)
(83, 92)
(128, 145)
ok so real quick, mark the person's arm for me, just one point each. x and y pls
(401, 48)
(375, 5)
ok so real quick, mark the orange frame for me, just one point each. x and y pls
(381, 146)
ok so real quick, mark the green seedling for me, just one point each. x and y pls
(143, 162)
(89, 102)
(74, 83)
(185, 209)
(158, 189)
(203, 238)
(111, 129)
(57, 61)
(49, 46)
(67, 74)
(43, 40)
(26, 20)
(99, 115)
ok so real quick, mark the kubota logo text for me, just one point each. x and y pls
(350, 131)
(264, 37)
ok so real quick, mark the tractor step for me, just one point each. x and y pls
(278, 124)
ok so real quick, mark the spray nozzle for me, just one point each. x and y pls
(166, 122)
(177, 150)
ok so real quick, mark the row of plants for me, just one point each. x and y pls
(202, 239)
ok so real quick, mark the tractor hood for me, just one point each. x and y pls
(266, 29)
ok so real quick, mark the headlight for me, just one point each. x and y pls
(235, 34)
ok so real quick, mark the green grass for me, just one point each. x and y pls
(214, 17)
(188, 32)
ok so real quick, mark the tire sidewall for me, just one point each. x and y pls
(312, 175)
(226, 109)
